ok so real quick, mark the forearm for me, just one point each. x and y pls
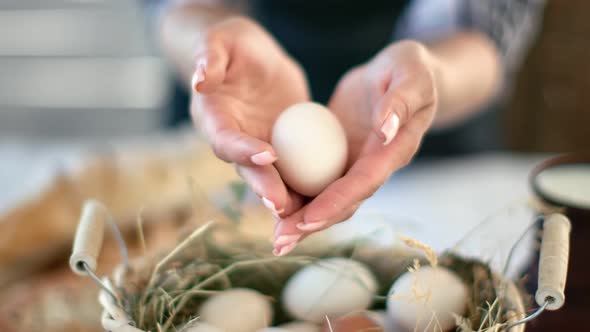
(181, 27)
(468, 74)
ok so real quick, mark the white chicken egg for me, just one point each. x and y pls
(416, 296)
(299, 326)
(329, 287)
(237, 310)
(311, 147)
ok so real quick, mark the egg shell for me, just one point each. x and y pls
(202, 327)
(300, 326)
(445, 291)
(329, 287)
(311, 147)
(352, 323)
(237, 310)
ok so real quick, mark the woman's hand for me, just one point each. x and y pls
(242, 81)
(386, 107)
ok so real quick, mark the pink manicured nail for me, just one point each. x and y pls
(269, 204)
(285, 250)
(263, 158)
(287, 239)
(312, 226)
(390, 127)
(198, 77)
(272, 207)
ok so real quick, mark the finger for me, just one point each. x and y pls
(229, 143)
(367, 174)
(266, 182)
(235, 146)
(211, 66)
(402, 99)
(341, 216)
(294, 203)
(287, 235)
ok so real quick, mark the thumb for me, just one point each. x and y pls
(398, 104)
(211, 67)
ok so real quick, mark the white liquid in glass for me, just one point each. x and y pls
(567, 184)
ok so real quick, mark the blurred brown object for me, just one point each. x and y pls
(550, 110)
(127, 180)
(58, 300)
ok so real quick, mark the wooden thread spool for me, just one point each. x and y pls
(553, 261)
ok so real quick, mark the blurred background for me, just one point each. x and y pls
(550, 109)
(71, 69)
(82, 71)
(90, 68)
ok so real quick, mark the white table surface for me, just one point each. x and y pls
(440, 202)
(437, 202)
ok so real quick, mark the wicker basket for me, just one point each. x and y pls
(217, 256)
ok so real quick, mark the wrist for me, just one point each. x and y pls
(468, 75)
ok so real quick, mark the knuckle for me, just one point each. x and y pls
(414, 47)
(217, 149)
(219, 144)
(404, 109)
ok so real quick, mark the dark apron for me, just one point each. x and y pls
(328, 37)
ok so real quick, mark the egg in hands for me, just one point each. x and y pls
(311, 147)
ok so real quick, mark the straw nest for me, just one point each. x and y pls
(163, 292)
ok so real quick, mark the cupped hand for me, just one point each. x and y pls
(385, 107)
(242, 81)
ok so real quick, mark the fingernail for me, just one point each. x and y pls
(312, 226)
(276, 218)
(263, 158)
(390, 127)
(272, 207)
(287, 239)
(198, 77)
(284, 250)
